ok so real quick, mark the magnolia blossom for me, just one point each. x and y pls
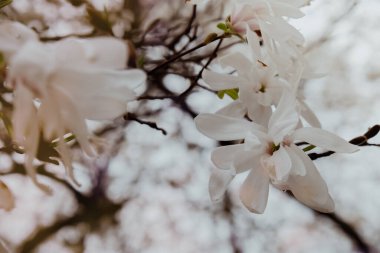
(260, 85)
(259, 88)
(266, 18)
(270, 155)
(57, 86)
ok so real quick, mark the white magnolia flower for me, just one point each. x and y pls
(267, 19)
(266, 16)
(259, 87)
(57, 86)
(271, 155)
(6, 197)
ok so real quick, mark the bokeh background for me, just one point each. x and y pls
(148, 192)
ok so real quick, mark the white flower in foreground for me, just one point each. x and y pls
(57, 86)
(6, 198)
(270, 155)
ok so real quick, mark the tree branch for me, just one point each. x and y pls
(359, 141)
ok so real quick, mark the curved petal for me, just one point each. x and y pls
(284, 119)
(236, 60)
(218, 81)
(13, 35)
(103, 52)
(282, 163)
(222, 128)
(74, 121)
(247, 160)
(254, 191)
(99, 94)
(223, 157)
(309, 115)
(6, 197)
(235, 109)
(218, 183)
(286, 10)
(258, 113)
(254, 44)
(310, 189)
(298, 167)
(324, 139)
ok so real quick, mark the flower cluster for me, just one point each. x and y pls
(269, 120)
(58, 85)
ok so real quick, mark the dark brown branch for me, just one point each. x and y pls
(186, 30)
(178, 56)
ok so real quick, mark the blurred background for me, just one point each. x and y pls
(148, 192)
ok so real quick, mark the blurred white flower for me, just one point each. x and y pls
(270, 154)
(57, 86)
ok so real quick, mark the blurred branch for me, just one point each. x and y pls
(349, 231)
(186, 30)
(327, 34)
(92, 212)
(178, 56)
(227, 211)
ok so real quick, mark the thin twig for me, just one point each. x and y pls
(178, 56)
(132, 116)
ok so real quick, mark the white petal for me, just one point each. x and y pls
(311, 189)
(236, 60)
(281, 31)
(258, 113)
(100, 94)
(74, 121)
(324, 139)
(254, 43)
(222, 157)
(6, 197)
(24, 113)
(286, 10)
(103, 52)
(219, 181)
(235, 109)
(282, 163)
(247, 160)
(219, 81)
(309, 115)
(222, 128)
(285, 118)
(254, 191)
(298, 167)
(13, 35)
